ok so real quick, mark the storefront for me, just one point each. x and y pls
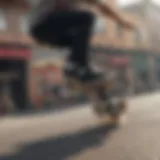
(121, 65)
(15, 54)
(157, 66)
(140, 64)
(118, 63)
(47, 82)
(14, 89)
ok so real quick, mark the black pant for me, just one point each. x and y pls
(67, 29)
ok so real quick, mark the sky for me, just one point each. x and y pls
(124, 2)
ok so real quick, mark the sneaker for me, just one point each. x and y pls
(88, 75)
(83, 74)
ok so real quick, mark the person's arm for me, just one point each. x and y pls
(109, 12)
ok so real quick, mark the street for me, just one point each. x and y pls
(77, 134)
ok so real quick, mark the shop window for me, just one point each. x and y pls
(3, 22)
(100, 26)
(137, 37)
(23, 24)
(119, 30)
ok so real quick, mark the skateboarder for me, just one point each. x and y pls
(69, 23)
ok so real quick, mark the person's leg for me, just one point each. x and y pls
(82, 28)
(72, 29)
(78, 61)
(58, 28)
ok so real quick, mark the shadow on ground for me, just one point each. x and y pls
(60, 148)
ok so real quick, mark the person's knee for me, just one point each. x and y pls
(40, 33)
(88, 18)
(35, 34)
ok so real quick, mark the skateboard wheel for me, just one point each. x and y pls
(118, 120)
(98, 110)
(113, 117)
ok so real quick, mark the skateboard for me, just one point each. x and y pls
(104, 105)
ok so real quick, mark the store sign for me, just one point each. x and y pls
(119, 60)
(15, 53)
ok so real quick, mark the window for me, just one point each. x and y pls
(3, 22)
(100, 26)
(119, 30)
(24, 24)
(137, 37)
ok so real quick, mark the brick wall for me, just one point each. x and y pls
(126, 39)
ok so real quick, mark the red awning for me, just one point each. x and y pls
(15, 53)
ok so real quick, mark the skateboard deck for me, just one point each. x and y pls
(103, 105)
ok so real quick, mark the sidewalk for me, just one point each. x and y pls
(60, 107)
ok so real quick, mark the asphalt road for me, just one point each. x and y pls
(76, 134)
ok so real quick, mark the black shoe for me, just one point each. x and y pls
(88, 75)
(84, 75)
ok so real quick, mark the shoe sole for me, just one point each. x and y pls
(76, 84)
(84, 86)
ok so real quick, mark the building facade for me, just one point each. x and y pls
(124, 50)
(149, 12)
(15, 53)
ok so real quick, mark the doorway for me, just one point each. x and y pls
(14, 81)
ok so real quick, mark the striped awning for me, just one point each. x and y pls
(10, 53)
